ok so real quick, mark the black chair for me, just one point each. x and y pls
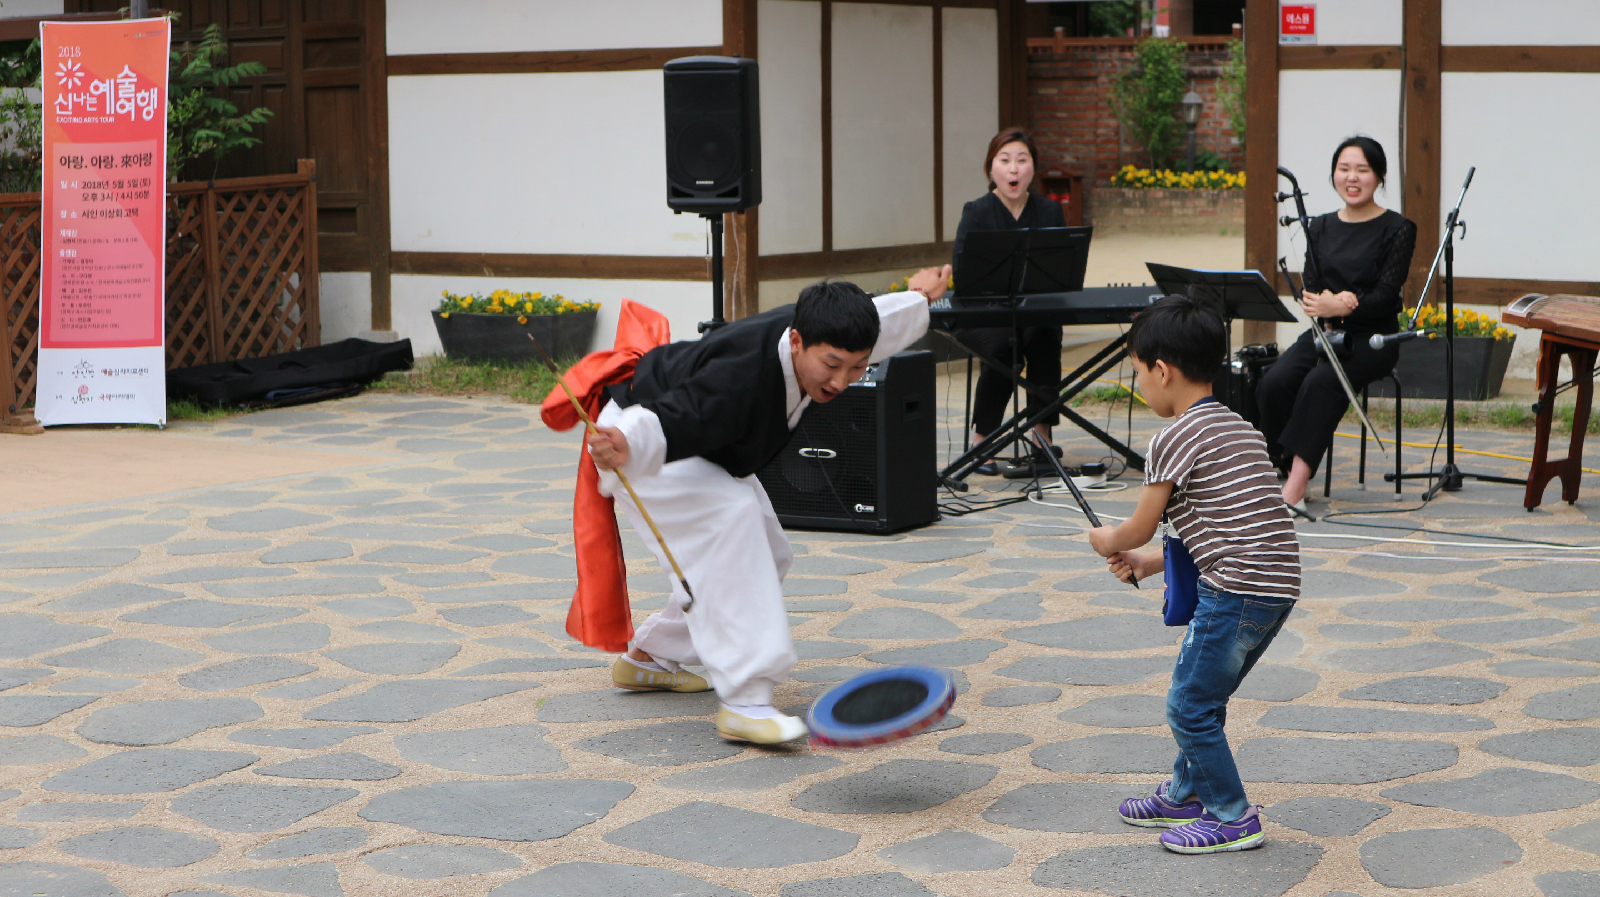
(1361, 470)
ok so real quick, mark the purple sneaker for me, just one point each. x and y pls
(1208, 834)
(1158, 812)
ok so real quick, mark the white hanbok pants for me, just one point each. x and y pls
(727, 539)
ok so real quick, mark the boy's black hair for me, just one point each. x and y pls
(838, 313)
(1186, 334)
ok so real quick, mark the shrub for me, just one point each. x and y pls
(1146, 97)
(1166, 179)
(1230, 90)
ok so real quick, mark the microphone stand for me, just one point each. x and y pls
(1452, 477)
(1316, 323)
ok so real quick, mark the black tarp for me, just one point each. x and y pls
(347, 363)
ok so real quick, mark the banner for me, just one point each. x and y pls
(102, 315)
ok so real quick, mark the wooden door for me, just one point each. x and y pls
(325, 82)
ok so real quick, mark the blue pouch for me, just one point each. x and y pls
(1183, 583)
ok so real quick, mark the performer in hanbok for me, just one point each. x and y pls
(690, 430)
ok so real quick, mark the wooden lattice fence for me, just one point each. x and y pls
(241, 277)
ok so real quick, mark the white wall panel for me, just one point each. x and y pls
(414, 298)
(1317, 110)
(882, 136)
(971, 105)
(547, 163)
(1345, 22)
(16, 9)
(500, 26)
(1525, 22)
(1531, 210)
(790, 53)
(345, 304)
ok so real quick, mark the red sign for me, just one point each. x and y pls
(105, 146)
(1297, 24)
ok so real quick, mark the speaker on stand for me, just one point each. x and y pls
(866, 461)
(713, 109)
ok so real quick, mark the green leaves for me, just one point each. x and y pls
(200, 123)
(1146, 97)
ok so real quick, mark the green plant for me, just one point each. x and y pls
(21, 159)
(1147, 179)
(1230, 90)
(1116, 18)
(439, 375)
(1468, 322)
(1208, 161)
(505, 302)
(1146, 97)
(200, 122)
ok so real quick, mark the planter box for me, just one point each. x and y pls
(1183, 212)
(473, 337)
(1480, 369)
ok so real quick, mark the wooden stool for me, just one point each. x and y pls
(1552, 346)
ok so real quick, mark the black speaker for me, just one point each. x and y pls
(866, 461)
(713, 108)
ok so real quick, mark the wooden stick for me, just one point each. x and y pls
(589, 424)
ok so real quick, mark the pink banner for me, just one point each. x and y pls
(105, 117)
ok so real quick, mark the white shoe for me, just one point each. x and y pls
(772, 730)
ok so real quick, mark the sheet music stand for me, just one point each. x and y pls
(1241, 295)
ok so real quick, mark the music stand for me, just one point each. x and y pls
(1241, 295)
(1002, 267)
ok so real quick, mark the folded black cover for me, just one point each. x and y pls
(351, 361)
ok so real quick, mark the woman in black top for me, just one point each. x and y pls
(1363, 252)
(1010, 204)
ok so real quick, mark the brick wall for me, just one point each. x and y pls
(1208, 212)
(1071, 116)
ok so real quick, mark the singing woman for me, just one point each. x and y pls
(1011, 204)
(1362, 253)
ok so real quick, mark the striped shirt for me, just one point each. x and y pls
(1226, 504)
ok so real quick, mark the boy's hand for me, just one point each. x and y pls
(1100, 540)
(608, 447)
(930, 282)
(1128, 565)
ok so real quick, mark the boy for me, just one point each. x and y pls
(690, 430)
(1209, 474)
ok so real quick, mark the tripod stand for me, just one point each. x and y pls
(1451, 477)
(716, 273)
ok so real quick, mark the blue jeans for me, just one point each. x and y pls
(1228, 634)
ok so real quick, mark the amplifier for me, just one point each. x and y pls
(1241, 375)
(866, 461)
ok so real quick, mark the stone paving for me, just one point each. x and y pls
(359, 683)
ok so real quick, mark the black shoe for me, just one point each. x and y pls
(988, 469)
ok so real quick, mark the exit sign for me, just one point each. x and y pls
(1297, 24)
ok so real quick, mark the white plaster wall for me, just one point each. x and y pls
(497, 26)
(1531, 211)
(882, 111)
(414, 297)
(1525, 22)
(16, 9)
(971, 105)
(543, 163)
(345, 299)
(790, 54)
(1363, 22)
(1317, 110)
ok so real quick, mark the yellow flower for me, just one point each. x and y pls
(521, 319)
(538, 296)
(444, 314)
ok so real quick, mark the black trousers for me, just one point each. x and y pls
(1041, 358)
(1301, 400)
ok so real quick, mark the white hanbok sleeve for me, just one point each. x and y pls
(647, 444)
(903, 319)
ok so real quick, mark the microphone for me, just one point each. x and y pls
(1379, 340)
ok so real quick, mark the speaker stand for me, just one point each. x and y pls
(716, 273)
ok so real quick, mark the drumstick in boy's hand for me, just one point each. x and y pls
(1094, 519)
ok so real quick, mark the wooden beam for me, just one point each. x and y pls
(827, 125)
(596, 267)
(1423, 101)
(542, 61)
(27, 27)
(1522, 59)
(1339, 57)
(1261, 148)
(854, 261)
(741, 232)
(938, 122)
(377, 107)
(1013, 65)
